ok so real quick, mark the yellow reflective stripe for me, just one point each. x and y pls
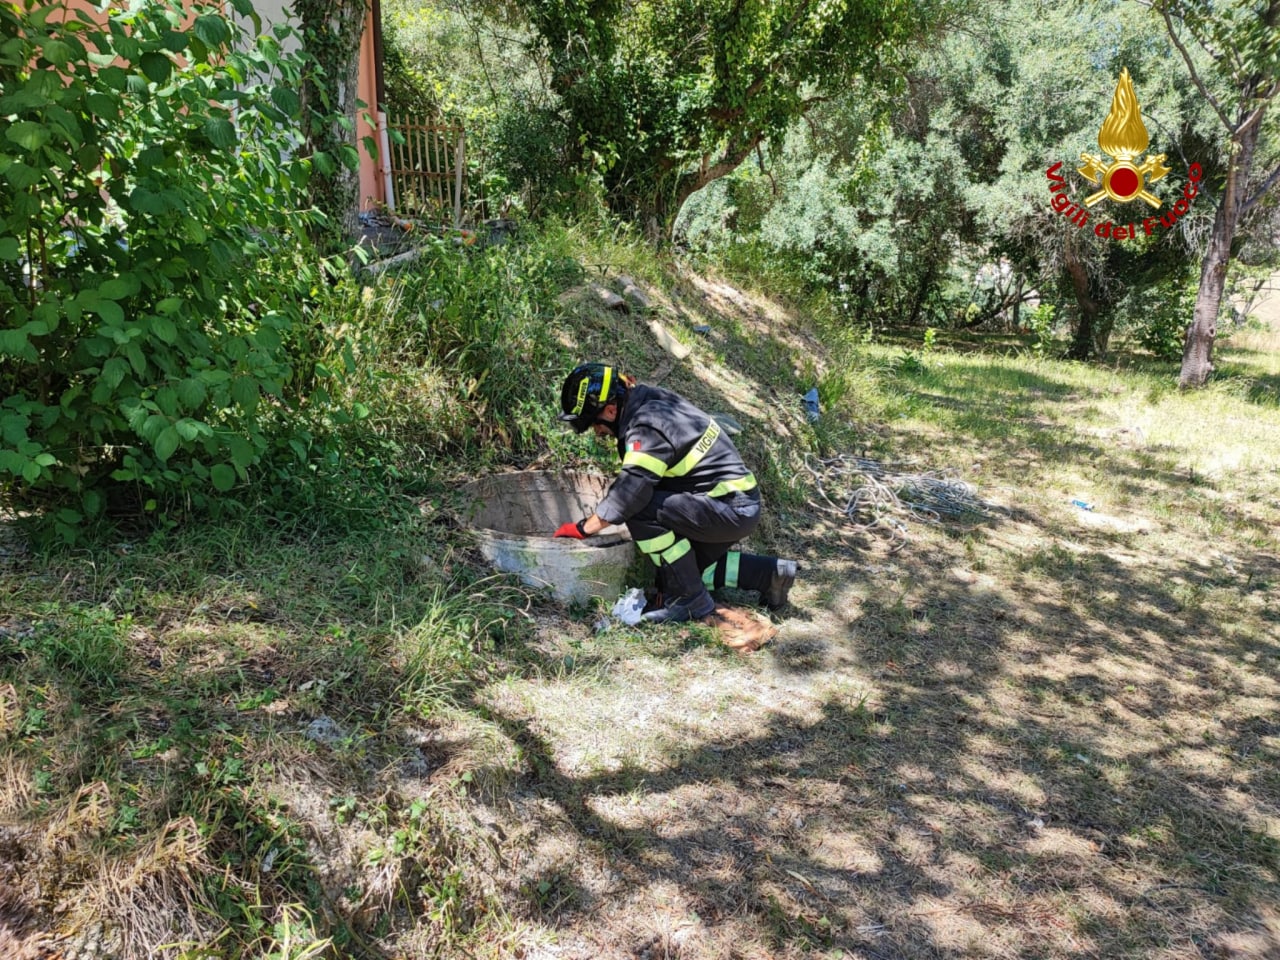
(731, 568)
(739, 485)
(657, 544)
(678, 551)
(634, 458)
(604, 385)
(694, 456)
(709, 576)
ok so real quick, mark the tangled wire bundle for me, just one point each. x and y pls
(866, 494)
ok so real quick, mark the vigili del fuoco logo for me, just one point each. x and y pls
(1122, 173)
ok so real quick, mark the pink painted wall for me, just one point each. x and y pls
(372, 189)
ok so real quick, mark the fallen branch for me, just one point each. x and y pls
(867, 495)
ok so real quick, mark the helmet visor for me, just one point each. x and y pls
(581, 422)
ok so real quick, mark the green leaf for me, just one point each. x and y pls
(174, 41)
(270, 49)
(212, 29)
(223, 477)
(188, 429)
(12, 461)
(199, 51)
(108, 310)
(92, 503)
(15, 343)
(167, 443)
(21, 176)
(242, 454)
(31, 471)
(156, 66)
(114, 78)
(191, 393)
(163, 328)
(9, 249)
(167, 401)
(113, 372)
(23, 100)
(46, 459)
(221, 132)
(117, 288)
(56, 52)
(48, 314)
(286, 100)
(13, 427)
(136, 359)
(28, 134)
(324, 163)
(244, 391)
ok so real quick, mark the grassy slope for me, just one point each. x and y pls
(1051, 735)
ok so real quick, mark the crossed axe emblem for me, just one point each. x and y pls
(1123, 180)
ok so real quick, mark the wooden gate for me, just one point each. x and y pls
(428, 169)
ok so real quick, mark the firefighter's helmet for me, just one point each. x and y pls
(587, 391)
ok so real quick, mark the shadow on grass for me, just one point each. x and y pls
(1076, 763)
(904, 827)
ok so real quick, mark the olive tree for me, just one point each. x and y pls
(668, 96)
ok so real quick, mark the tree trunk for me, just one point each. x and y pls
(331, 36)
(922, 291)
(658, 215)
(1197, 352)
(1082, 344)
(1256, 93)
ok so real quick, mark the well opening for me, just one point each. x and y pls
(514, 516)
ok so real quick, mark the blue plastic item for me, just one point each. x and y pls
(811, 410)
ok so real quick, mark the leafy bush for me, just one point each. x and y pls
(1042, 324)
(457, 352)
(154, 268)
(1161, 314)
(528, 148)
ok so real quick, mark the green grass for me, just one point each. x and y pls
(336, 734)
(172, 682)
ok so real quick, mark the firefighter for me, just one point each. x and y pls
(684, 493)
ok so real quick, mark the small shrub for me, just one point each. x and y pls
(1162, 313)
(1042, 325)
(457, 353)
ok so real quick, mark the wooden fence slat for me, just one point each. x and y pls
(428, 171)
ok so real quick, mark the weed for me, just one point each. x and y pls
(84, 646)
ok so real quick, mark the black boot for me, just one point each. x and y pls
(683, 609)
(687, 597)
(784, 575)
(770, 576)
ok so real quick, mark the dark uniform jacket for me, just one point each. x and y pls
(666, 443)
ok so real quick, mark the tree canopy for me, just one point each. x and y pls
(666, 97)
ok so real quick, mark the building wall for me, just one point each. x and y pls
(372, 190)
(271, 12)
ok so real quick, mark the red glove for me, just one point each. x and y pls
(573, 530)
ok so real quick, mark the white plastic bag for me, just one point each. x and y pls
(629, 606)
